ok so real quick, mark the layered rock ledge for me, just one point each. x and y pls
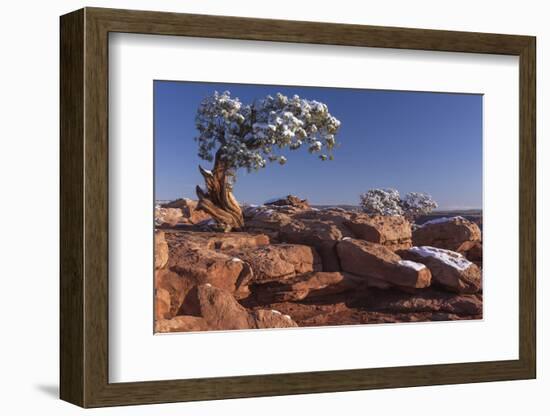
(295, 265)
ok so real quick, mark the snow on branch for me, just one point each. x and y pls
(249, 135)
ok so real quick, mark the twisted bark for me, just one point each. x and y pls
(218, 200)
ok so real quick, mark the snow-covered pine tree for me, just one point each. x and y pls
(234, 135)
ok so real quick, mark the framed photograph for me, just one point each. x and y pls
(256, 207)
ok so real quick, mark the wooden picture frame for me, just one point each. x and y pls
(84, 207)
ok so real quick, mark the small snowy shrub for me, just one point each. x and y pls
(388, 202)
(381, 202)
(416, 204)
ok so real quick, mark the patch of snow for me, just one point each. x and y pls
(412, 265)
(265, 213)
(450, 258)
(208, 172)
(442, 220)
(275, 312)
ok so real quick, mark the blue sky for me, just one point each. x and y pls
(410, 141)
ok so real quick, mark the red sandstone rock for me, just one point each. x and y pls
(323, 228)
(426, 300)
(280, 261)
(189, 212)
(329, 256)
(219, 309)
(307, 286)
(475, 252)
(456, 234)
(269, 318)
(450, 270)
(206, 258)
(286, 278)
(376, 261)
(266, 221)
(336, 216)
(168, 217)
(162, 304)
(161, 250)
(310, 232)
(182, 323)
(215, 240)
(290, 200)
(181, 203)
(170, 290)
(391, 231)
(208, 266)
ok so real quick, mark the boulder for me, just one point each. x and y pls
(310, 232)
(456, 234)
(217, 307)
(215, 241)
(334, 216)
(161, 250)
(280, 261)
(188, 207)
(307, 286)
(206, 258)
(329, 256)
(322, 229)
(373, 260)
(378, 283)
(203, 266)
(323, 234)
(450, 270)
(220, 311)
(181, 323)
(167, 217)
(475, 252)
(393, 232)
(265, 219)
(270, 318)
(427, 300)
(317, 228)
(464, 305)
(234, 241)
(170, 290)
(290, 200)
(162, 304)
(185, 204)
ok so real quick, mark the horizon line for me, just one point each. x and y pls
(450, 208)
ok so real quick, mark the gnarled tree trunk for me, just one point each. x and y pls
(218, 200)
